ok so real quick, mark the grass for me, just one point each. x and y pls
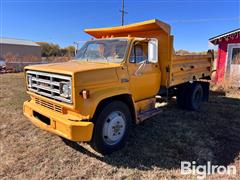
(154, 150)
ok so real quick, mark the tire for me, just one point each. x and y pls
(190, 96)
(181, 96)
(195, 96)
(111, 128)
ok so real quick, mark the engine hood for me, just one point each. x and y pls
(72, 67)
(83, 73)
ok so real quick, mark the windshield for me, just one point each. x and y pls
(103, 50)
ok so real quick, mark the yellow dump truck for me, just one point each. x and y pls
(114, 81)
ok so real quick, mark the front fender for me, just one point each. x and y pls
(88, 106)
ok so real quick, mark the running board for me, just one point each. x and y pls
(147, 114)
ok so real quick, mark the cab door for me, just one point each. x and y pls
(144, 75)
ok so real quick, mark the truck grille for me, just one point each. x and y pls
(49, 105)
(48, 85)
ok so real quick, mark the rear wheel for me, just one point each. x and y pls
(111, 127)
(181, 96)
(190, 96)
(195, 97)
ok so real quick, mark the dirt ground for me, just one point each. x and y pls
(154, 150)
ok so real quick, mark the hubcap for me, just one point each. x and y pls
(114, 128)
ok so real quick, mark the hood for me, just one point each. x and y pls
(72, 67)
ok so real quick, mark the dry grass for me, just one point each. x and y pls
(17, 58)
(154, 150)
(230, 84)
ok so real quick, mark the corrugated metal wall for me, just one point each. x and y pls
(20, 53)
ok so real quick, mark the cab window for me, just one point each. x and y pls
(139, 52)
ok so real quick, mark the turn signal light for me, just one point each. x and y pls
(85, 94)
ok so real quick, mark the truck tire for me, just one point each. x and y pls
(181, 96)
(190, 96)
(194, 96)
(111, 127)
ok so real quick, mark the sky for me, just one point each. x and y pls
(192, 22)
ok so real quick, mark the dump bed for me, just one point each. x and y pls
(186, 68)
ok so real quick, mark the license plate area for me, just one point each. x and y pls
(42, 118)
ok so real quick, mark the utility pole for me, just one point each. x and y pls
(76, 46)
(123, 12)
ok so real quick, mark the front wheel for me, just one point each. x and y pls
(111, 127)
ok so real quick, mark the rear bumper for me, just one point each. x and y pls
(59, 123)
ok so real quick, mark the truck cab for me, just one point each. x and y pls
(112, 82)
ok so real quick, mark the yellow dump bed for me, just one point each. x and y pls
(190, 67)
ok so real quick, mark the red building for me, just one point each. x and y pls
(228, 60)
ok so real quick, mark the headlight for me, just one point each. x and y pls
(65, 90)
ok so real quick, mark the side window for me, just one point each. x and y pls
(139, 52)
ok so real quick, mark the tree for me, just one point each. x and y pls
(70, 51)
(50, 49)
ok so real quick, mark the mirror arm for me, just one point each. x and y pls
(138, 72)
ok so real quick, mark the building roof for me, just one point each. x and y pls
(17, 42)
(213, 39)
(153, 24)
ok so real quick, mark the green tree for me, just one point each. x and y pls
(70, 51)
(49, 49)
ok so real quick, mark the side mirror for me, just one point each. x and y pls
(153, 50)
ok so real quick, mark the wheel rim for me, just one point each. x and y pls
(114, 128)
